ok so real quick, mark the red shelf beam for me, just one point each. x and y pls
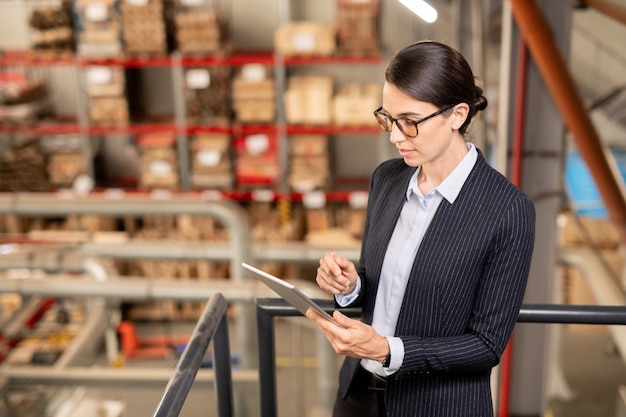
(333, 59)
(29, 59)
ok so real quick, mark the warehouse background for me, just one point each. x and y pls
(155, 146)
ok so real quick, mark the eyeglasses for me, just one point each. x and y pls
(407, 126)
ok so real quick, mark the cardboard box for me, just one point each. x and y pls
(308, 100)
(211, 161)
(255, 111)
(102, 81)
(257, 161)
(108, 111)
(355, 103)
(305, 38)
(304, 145)
(64, 168)
(308, 173)
(253, 90)
(159, 162)
(143, 27)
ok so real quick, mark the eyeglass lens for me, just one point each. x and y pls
(406, 126)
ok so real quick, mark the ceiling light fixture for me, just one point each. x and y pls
(424, 10)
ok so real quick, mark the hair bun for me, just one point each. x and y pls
(481, 103)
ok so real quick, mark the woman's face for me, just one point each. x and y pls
(436, 136)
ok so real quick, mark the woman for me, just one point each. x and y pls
(445, 255)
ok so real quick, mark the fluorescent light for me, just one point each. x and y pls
(424, 10)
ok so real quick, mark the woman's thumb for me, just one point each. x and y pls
(341, 319)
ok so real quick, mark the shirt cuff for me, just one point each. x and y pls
(396, 348)
(345, 300)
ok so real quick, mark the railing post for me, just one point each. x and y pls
(178, 387)
(223, 371)
(267, 362)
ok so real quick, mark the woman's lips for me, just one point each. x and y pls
(405, 152)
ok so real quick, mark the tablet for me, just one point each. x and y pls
(289, 292)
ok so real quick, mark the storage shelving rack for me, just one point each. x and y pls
(178, 125)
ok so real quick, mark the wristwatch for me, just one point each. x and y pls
(387, 360)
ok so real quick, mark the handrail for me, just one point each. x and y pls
(268, 308)
(49, 204)
(211, 325)
(23, 204)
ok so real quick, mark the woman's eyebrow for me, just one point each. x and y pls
(403, 114)
(409, 114)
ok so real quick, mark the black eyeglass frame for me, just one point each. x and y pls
(378, 112)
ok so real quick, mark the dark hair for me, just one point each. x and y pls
(438, 74)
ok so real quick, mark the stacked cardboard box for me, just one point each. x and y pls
(254, 95)
(308, 99)
(189, 228)
(105, 89)
(257, 161)
(318, 215)
(305, 38)
(199, 30)
(211, 161)
(322, 227)
(143, 27)
(23, 167)
(22, 101)
(354, 103)
(207, 92)
(357, 27)
(309, 163)
(99, 27)
(159, 163)
(351, 217)
(280, 221)
(52, 28)
(65, 158)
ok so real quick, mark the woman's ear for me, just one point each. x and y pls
(459, 115)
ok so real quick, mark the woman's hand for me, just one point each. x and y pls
(336, 275)
(351, 337)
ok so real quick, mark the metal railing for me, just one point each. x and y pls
(268, 308)
(212, 325)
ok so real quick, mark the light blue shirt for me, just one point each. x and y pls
(416, 215)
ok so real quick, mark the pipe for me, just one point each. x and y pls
(141, 289)
(56, 259)
(101, 376)
(553, 69)
(616, 11)
(228, 212)
(501, 151)
(520, 114)
(516, 178)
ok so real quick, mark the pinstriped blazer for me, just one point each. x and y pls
(463, 294)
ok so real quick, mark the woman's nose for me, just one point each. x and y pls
(396, 135)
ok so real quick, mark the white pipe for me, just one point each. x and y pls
(97, 376)
(141, 289)
(71, 257)
(502, 142)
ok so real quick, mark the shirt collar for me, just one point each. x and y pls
(451, 186)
